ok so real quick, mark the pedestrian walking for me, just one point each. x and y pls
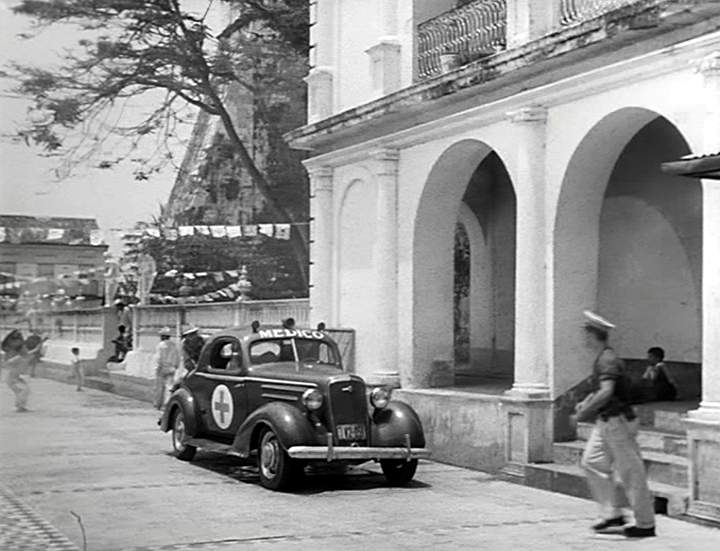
(612, 447)
(167, 360)
(16, 363)
(78, 368)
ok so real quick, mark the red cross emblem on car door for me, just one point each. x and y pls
(221, 404)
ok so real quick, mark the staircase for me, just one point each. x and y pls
(664, 450)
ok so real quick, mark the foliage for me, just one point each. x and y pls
(269, 271)
(166, 54)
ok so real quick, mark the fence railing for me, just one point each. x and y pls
(574, 11)
(461, 35)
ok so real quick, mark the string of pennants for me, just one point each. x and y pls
(69, 236)
(278, 231)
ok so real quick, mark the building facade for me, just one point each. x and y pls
(41, 255)
(539, 129)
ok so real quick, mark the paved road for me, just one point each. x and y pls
(102, 457)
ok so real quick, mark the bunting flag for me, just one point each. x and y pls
(233, 231)
(218, 231)
(185, 231)
(282, 231)
(250, 231)
(266, 229)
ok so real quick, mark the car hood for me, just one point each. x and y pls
(301, 371)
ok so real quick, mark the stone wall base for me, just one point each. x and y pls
(703, 437)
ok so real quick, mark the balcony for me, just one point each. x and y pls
(456, 37)
(480, 28)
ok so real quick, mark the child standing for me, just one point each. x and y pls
(78, 369)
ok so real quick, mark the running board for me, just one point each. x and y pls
(212, 446)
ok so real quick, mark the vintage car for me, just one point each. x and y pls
(280, 396)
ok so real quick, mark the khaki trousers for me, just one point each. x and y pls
(163, 385)
(612, 448)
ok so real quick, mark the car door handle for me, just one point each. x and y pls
(239, 385)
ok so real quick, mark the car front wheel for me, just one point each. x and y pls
(398, 472)
(179, 436)
(277, 469)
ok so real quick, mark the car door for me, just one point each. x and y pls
(221, 391)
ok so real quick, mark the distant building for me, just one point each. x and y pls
(43, 255)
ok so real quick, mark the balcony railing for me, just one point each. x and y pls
(456, 37)
(574, 11)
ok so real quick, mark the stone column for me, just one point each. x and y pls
(703, 424)
(386, 255)
(527, 405)
(321, 244)
(531, 286)
(322, 60)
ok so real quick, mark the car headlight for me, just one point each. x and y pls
(379, 397)
(312, 398)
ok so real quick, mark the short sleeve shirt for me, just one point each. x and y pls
(609, 367)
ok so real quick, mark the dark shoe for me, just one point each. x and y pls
(635, 532)
(609, 523)
(22, 410)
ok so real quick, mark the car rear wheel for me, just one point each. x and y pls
(277, 470)
(179, 436)
(398, 472)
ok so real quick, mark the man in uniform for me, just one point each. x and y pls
(167, 360)
(612, 447)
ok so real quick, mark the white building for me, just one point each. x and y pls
(539, 128)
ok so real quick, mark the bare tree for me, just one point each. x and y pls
(164, 53)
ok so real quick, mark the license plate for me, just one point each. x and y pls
(351, 432)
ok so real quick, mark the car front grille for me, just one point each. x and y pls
(347, 405)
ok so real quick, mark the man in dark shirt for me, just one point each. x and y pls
(611, 447)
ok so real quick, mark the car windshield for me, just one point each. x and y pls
(293, 350)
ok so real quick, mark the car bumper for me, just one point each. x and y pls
(332, 452)
(350, 452)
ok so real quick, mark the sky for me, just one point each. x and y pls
(27, 182)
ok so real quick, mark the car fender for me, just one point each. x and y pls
(289, 423)
(390, 425)
(181, 398)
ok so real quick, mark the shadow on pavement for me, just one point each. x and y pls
(316, 480)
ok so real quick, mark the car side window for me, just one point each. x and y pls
(225, 355)
(265, 352)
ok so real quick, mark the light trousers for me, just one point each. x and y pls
(612, 449)
(163, 386)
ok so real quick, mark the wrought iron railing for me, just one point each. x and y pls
(574, 11)
(456, 37)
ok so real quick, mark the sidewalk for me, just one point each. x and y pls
(101, 456)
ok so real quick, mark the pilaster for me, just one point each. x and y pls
(321, 243)
(385, 168)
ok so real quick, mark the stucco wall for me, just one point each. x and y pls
(357, 301)
(460, 428)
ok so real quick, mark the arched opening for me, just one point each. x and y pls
(464, 272)
(628, 243)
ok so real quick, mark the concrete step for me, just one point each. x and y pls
(570, 480)
(648, 439)
(667, 416)
(661, 467)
